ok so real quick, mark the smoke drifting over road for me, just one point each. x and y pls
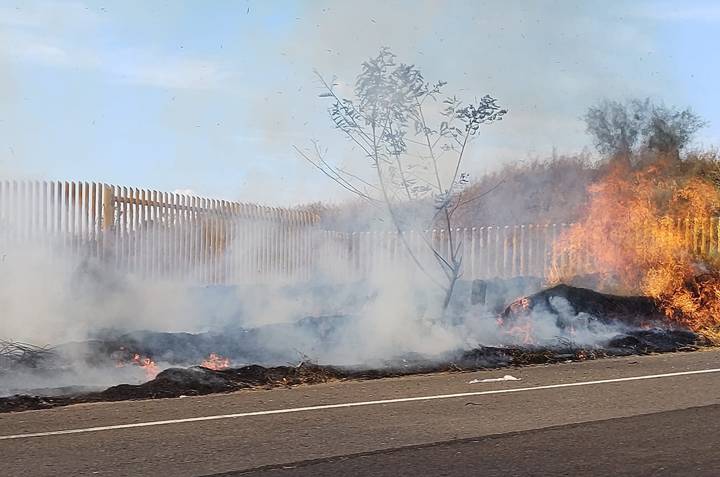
(96, 319)
(209, 117)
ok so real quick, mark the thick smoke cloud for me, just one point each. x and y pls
(545, 62)
(332, 317)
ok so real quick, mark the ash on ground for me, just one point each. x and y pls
(585, 324)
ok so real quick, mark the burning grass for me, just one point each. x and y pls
(200, 380)
(649, 231)
(216, 362)
(559, 324)
(146, 363)
(192, 381)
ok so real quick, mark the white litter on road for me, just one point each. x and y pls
(507, 377)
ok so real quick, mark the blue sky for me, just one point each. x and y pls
(211, 97)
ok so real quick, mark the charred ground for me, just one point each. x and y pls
(645, 330)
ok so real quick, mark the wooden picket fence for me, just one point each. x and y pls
(157, 234)
(486, 251)
(166, 235)
(500, 251)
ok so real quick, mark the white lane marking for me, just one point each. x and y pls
(351, 404)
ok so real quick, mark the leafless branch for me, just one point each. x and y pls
(330, 173)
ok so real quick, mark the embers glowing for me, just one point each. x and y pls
(145, 362)
(521, 327)
(216, 362)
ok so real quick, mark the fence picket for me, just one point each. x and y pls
(169, 235)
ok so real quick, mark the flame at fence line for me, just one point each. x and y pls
(167, 235)
(650, 233)
(131, 272)
(635, 245)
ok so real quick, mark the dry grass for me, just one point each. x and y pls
(15, 354)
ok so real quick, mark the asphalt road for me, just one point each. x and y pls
(652, 415)
(669, 443)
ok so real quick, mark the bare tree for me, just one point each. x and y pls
(415, 148)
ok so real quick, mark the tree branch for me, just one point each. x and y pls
(346, 185)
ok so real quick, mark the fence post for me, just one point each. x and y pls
(108, 210)
(473, 258)
(107, 221)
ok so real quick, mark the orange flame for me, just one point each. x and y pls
(648, 232)
(216, 362)
(523, 331)
(521, 327)
(149, 366)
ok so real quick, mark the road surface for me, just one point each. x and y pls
(651, 415)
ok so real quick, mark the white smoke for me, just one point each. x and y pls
(49, 297)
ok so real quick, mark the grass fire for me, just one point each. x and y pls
(115, 292)
(653, 231)
(417, 274)
(342, 238)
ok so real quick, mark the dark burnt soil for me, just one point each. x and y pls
(193, 381)
(648, 331)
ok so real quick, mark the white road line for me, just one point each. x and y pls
(351, 404)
